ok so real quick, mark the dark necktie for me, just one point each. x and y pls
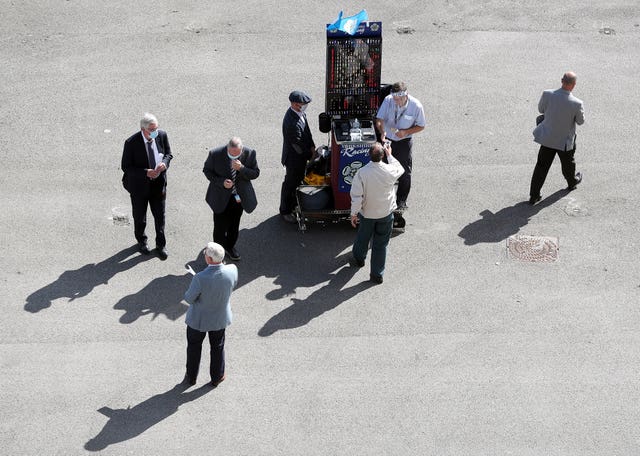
(233, 177)
(151, 156)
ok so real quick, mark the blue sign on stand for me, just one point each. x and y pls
(353, 156)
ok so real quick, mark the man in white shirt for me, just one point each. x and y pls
(399, 118)
(373, 201)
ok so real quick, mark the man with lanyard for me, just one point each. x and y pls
(399, 117)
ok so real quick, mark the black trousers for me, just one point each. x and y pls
(194, 353)
(226, 224)
(139, 203)
(402, 152)
(292, 179)
(545, 159)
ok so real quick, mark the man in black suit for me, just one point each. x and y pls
(145, 159)
(297, 149)
(230, 170)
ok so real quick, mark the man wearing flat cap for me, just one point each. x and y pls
(297, 148)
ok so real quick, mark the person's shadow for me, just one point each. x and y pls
(78, 283)
(125, 424)
(161, 296)
(506, 222)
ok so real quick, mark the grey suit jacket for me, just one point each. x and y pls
(562, 112)
(209, 297)
(217, 168)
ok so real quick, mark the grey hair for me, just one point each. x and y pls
(235, 143)
(215, 252)
(148, 119)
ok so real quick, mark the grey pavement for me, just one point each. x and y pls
(464, 350)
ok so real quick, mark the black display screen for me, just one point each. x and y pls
(353, 71)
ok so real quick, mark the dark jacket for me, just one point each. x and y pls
(135, 164)
(217, 168)
(297, 145)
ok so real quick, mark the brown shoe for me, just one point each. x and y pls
(220, 380)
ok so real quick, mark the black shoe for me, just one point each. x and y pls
(217, 382)
(188, 381)
(356, 263)
(144, 249)
(233, 254)
(375, 278)
(288, 218)
(162, 253)
(535, 199)
(578, 179)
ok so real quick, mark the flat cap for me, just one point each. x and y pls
(298, 96)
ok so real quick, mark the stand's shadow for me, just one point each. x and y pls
(80, 282)
(506, 222)
(274, 249)
(302, 311)
(125, 424)
(295, 260)
(161, 296)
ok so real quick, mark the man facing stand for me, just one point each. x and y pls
(373, 201)
(209, 313)
(297, 148)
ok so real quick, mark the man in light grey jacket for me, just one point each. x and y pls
(556, 134)
(209, 313)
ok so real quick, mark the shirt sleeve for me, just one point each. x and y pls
(420, 120)
(357, 194)
(383, 110)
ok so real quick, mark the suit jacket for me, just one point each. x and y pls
(135, 163)
(217, 168)
(562, 111)
(208, 297)
(297, 145)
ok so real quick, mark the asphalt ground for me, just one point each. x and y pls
(464, 350)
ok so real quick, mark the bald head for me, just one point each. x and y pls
(569, 80)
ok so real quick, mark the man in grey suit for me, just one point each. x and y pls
(209, 313)
(230, 170)
(556, 134)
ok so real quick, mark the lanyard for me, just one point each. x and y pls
(399, 113)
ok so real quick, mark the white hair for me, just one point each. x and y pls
(215, 252)
(148, 119)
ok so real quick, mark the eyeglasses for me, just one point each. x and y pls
(402, 93)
